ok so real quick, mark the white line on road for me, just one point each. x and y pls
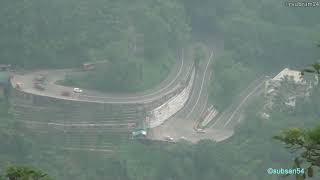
(88, 149)
(153, 93)
(243, 101)
(225, 111)
(202, 83)
(81, 124)
(180, 69)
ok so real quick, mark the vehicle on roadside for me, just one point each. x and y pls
(201, 131)
(88, 66)
(39, 79)
(169, 139)
(65, 93)
(18, 85)
(77, 90)
(183, 138)
(139, 134)
(38, 86)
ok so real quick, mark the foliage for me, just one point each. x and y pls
(59, 34)
(24, 173)
(228, 79)
(124, 76)
(140, 39)
(199, 54)
(315, 68)
(243, 157)
(307, 143)
(258, 38)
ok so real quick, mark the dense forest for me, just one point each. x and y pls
(247, 155)
(141, 40)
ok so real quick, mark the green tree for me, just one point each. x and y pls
(307, 145)
(304, 142)
(24, 173)
(315, 69)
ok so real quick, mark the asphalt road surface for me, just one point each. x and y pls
(179, 126)
(172, 82)
(182, 125)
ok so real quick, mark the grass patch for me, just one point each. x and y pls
(131, 76)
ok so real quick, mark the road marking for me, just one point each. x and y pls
(179, 72)
(102, 98)
(225, 111)
(87, 149)
(203, 79)
(81, 124)
(243, 101)
(153, 93)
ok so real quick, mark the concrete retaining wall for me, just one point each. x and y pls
(162, 113)
(209, 116)
(76, 121)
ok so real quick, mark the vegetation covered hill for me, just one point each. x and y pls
(246, 156)
(142, 37)
(260, 38)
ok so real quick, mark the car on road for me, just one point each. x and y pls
(39, 79)
(200, 131)
(18, 85)
(77, 90)
(88, 66)
(169, 139)
(39, 86)
(183, 138)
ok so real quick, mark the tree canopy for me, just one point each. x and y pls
(24, 173)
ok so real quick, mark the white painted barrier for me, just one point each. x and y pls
(212, 114)
(162, 113)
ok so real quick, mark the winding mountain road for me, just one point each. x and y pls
(177, 75)
(182, 125)
(179, 126)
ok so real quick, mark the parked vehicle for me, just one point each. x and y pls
(77, 90)
(18, 85)
(200, 131)
(88, 66)
(40, 78)
(169, 139)
(39, 86)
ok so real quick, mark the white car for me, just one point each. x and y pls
(183, 138)
(168, 138)
(19, 85)
(200, 131)
(77, 90)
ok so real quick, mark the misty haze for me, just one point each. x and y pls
(159, 90)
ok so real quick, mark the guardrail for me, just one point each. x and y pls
(162, 113)
(234, 107)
